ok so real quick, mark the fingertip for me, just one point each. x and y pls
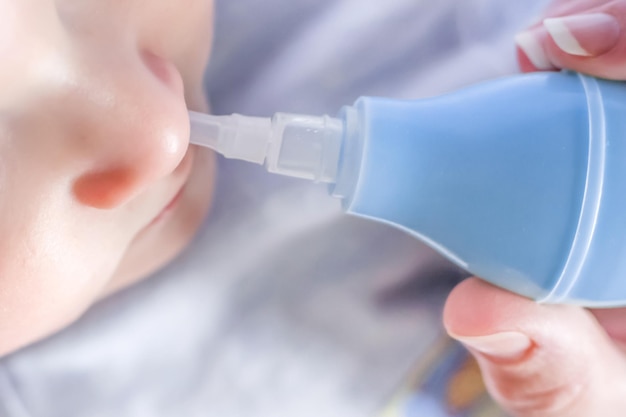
(532, 51)
(475, 308)
(584, 35)
(534, 357)
(587, 39)
(460, 301)
(524, 63)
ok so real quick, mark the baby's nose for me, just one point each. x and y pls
(132, 127)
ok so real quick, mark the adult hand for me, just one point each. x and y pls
(584, 35)
(547, 360)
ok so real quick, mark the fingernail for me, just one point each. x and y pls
(505, 345)
(529, 43)
(584, 34)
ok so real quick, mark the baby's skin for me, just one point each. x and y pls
(99, 185)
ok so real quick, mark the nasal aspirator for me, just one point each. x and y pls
(521, 180)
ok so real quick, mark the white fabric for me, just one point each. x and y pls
(282, 306)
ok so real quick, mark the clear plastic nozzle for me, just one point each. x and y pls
(294, 145)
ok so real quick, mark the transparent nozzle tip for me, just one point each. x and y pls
(233, 136)
(294, 145)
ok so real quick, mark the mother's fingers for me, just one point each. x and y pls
(538, 360)
(614, 323)
(587, 36)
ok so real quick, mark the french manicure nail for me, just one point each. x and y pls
(584, 34)
(529, 43)
(504, 345)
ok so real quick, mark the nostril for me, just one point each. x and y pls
(104, 190)
(163, 70)
(138, 142)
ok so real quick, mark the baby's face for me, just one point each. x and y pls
(98, 187)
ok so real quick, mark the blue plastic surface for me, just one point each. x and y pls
(522, 181)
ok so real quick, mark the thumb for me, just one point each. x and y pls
(538, 360)
(589, 38)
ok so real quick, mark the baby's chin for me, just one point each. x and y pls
(160, 242)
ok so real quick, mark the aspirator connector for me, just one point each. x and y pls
(294, 145)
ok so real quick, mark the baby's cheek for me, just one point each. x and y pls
(30, 40)
(45, 284)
